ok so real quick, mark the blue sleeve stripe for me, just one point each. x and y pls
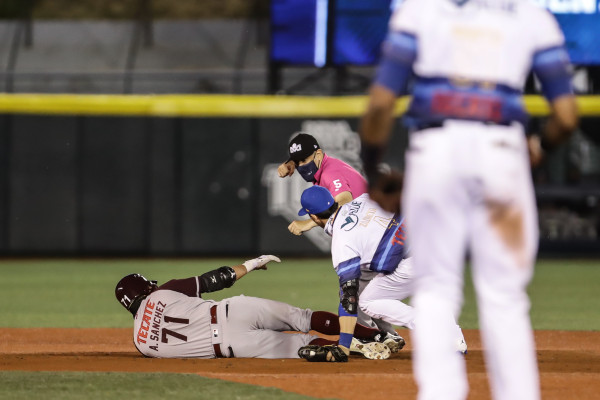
(390, 250)
(552, 67)
(349, 269)
(551, 55)
(392, 75)
(343, 313)
(400, 47)
(395, 67)
(385, 250)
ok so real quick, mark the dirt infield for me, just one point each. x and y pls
(569, 364)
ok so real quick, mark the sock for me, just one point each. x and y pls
(345, 340)
(364, 332)
(328, 324)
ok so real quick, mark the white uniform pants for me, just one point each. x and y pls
(382, 299)
(468, 189)
(366, 278)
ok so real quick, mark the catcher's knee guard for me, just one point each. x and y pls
(328, 353)
(349, 298)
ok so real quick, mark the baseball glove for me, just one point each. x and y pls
(328, 353)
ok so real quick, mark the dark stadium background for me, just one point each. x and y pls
(88, 184)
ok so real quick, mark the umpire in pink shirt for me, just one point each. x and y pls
(306, 156)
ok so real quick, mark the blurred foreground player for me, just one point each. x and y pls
(468, 186)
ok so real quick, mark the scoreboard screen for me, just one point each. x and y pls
(349, 32)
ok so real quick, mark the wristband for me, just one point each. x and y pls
(251, 264)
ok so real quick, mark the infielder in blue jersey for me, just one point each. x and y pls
(468, 180)
(364, 236)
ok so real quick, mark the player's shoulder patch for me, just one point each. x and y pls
(349, 222)
(348, 214)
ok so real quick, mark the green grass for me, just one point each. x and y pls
(566, 295)
(107, 385)
(563, 293)
(80, 293)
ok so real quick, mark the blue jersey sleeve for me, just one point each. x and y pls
(552, 67)
(398, 55)
(391, 249)
(349, 269)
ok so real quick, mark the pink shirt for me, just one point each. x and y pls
(337, 177)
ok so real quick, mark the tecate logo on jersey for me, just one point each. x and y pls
(295, 147)
(151, 325)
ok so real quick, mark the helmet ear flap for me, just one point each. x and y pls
(131, 288)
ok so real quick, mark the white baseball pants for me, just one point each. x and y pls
(468, 190)
(383, 296)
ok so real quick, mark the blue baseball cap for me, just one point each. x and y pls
(315, 199)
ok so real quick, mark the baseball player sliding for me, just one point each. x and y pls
(468, 178)
(174, 321)
(366, 236)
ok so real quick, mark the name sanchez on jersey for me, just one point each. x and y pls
(150, 326)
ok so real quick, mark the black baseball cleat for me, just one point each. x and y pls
(394, 341)
(314, 353)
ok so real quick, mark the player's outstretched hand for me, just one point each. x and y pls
(260, 262)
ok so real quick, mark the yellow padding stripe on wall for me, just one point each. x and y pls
(222, 105)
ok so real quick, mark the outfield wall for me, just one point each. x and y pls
(196, 175)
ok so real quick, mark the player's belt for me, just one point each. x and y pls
(213, 320)
(439, 124)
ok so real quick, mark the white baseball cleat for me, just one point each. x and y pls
(370, 350)
(394, 342)
(462, 346)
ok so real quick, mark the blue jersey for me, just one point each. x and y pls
(366, 236)
(472, 70)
